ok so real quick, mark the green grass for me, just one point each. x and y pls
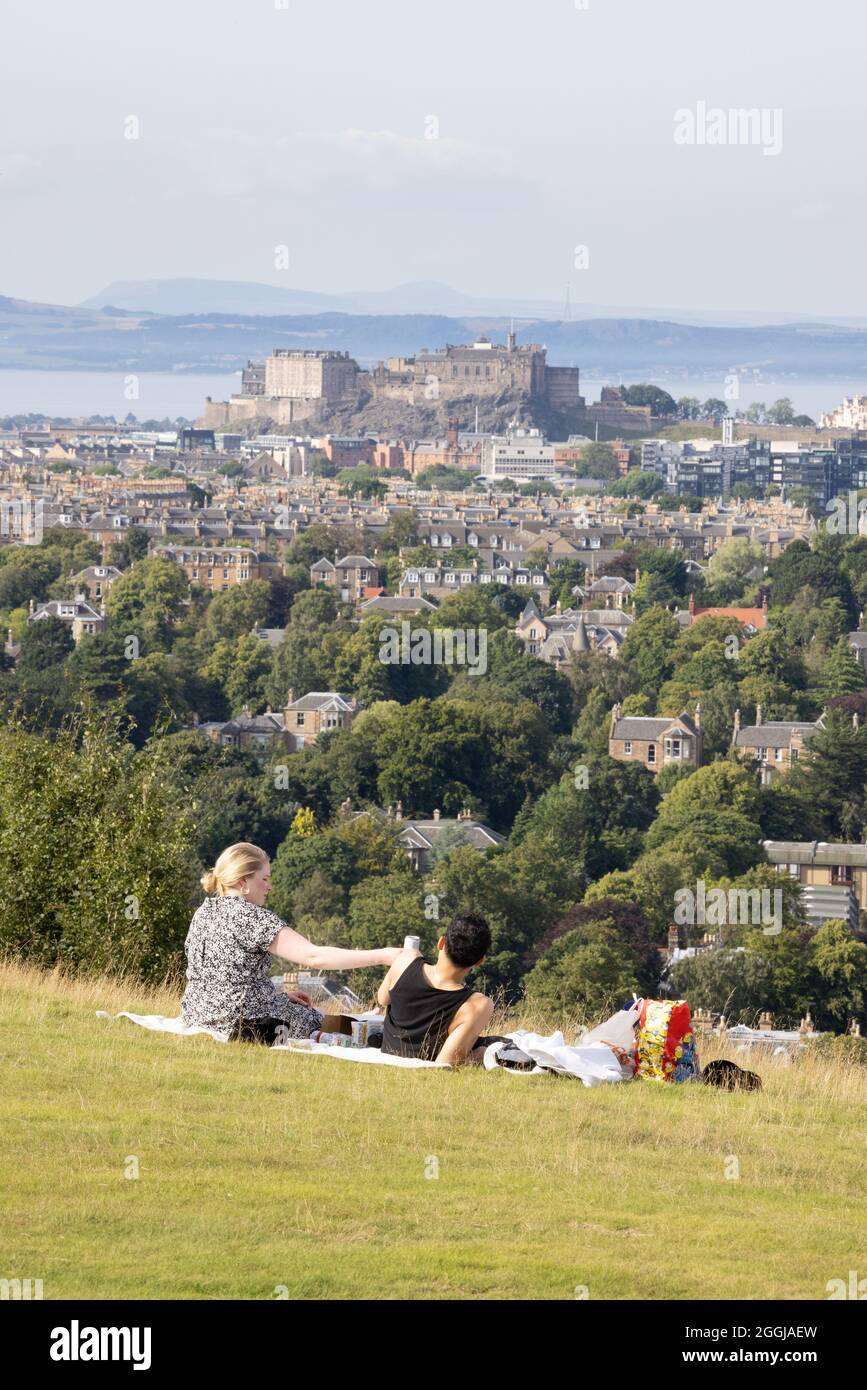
(260, 1170)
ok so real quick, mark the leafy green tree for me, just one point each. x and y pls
(122, 821)
(512, 675)
(833, 773)
(565, 575)
(648, 648)
(595, 957)
(840, 962)
(44, 646)
(637, 483)
(643, 393)
(235, 612)
(732, 566)
(842, 673)
(597, 460)
(148, 600)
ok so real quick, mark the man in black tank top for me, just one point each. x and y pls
(430, 1011)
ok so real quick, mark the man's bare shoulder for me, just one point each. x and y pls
(400, 963)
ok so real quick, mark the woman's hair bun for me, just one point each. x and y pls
(209, 881)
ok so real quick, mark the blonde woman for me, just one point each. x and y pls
(229, 946)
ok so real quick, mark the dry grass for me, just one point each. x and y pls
(260, 1171)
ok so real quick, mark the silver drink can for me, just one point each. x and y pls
(412, 943)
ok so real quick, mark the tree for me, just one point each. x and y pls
(236, 611)
(597, 460)
(732, 566)
(660, 402)
(648, 648)
(564, 577)
(781, 412)
(840, 962)
(841, 673)
(383, 910)
(362, 481)
(133, 547)
(124, 824)
(833, 773)
(148, 600)
(44, 646)
(637, 483)
(512, 675)
(595, 957)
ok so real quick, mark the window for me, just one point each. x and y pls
(627, 747)
(299, 719)
(651, 753)
(842, 873)
(672, 748)
(793, 754)
(778, 755)
(762, 755)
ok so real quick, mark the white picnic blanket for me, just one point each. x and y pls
(160, 1023)
(594, 1064)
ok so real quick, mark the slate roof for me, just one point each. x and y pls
(323, 699)
(771, 735)
(819, 852)
(650, 729)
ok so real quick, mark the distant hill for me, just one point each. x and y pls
(121, 338)
(193, 296)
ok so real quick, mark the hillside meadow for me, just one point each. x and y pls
(272, 1175)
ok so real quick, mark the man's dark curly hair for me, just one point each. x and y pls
(468, 938)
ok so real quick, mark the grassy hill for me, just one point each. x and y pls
(264, 1171)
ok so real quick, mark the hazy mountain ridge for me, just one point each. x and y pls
(180, 296)
(115, 338)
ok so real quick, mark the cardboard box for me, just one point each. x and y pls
(337, 1023)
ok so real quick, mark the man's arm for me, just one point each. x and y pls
(383, 994)
(465, 1028)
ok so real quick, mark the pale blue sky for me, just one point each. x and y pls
(307, 126)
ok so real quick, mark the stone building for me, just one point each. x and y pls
(317, 713)
(350, 577)
(656, 743)
(95, 581)
(775, 744)
(81, 618)
(220, 568)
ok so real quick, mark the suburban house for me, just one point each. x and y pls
(420, 837)
(220, 568)
(656, 743)
(317, 713)
(776, 744)
(439, 582)
(248, 731)
(350, 577)
(95, 581)
(80, 617)
(833, 877)
(609, 591)
(858, 646)
(753, 619)
(555, 637)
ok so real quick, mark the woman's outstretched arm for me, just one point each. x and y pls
(292, 946)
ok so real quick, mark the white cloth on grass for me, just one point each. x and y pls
(595, 1065)
(160, 1023)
